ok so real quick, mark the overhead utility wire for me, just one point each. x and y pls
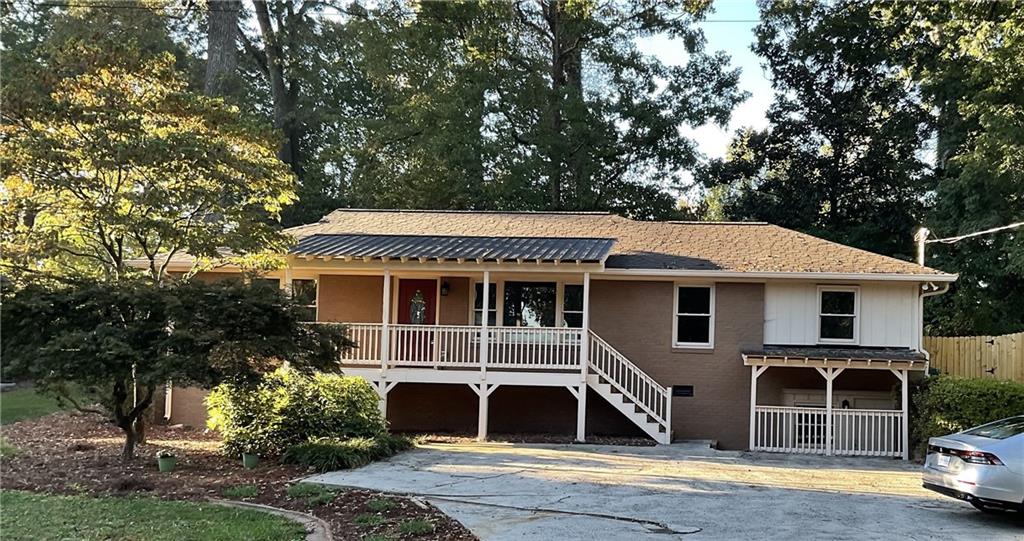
(951, 240)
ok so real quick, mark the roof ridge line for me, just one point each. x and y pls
(464, 211)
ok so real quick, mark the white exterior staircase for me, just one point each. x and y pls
(631, 391)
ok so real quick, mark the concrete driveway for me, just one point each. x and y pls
(504, 491)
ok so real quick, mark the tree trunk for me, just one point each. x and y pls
(284, 93)
(128, 452)
(221, 47)
(566, 85)
(553, 12)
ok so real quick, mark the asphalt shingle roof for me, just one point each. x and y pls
(739, 247)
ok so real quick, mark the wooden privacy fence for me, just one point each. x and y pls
(998, 357)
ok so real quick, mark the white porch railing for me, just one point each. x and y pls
(867, 432)
(628, 379)
(458, 346)
(805, 430)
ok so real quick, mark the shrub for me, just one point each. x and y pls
(945, 404)
(288, 408)
(328, 454)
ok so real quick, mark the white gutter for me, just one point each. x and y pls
(857, 276)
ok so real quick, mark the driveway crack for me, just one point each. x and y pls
(651, 525)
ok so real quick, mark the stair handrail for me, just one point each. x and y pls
(658, 395)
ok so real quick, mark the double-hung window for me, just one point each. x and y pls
(304, 295)
(694, 325)
(492, 306)
(572, 306)
(838, 309)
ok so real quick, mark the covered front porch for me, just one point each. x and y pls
(517, 318)
(853, 421)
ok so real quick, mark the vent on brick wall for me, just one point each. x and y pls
(682, 390)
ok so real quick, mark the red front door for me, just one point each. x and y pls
(417, 301)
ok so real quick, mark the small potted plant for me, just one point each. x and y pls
(165, 460)
(250, 459)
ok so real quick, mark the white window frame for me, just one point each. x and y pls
(560, 321)
(496, 308)
(856, 315)
(710, 344)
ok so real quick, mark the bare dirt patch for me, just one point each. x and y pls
(70, 453)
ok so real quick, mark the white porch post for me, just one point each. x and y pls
(828, 413)
(484, 348)
(385, 336)
(906, 414)
(383, 388)
(830, 374)
(581, 398)
(483, 390)
(755, 372)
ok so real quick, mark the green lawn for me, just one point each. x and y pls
(21, 404)
(35, 516)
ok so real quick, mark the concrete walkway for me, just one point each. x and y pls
(503, 491)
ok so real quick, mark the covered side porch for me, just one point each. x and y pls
(851, 421)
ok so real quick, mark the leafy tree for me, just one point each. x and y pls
(842, 155)
(108, 156)
(967, 58)
(108, 337)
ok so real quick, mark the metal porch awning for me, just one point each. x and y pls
(460, 248)
(827, 357)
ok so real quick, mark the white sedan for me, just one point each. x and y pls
(983, 465)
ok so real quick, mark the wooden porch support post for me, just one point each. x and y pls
(755, 372)
(483, 390)
(830, 375)
(581, 397)
(385, 336)
(484, 333)
(904, 377)
(383, 388)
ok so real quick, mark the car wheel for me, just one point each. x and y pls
(984, 508)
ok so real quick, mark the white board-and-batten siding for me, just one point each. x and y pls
(889, 314)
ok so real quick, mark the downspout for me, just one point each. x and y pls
(929, 289)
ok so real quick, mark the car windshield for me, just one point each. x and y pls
(999, 430)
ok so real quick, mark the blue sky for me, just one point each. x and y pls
(731, 29)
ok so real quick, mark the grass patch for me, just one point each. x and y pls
(28, 516)
(377, 537)
(7, 450)
(313, 494)
(369, 519)
(416, 527)
(239, 492)
(22, 404)
(380, 505)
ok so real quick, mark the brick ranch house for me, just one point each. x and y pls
(746, 334)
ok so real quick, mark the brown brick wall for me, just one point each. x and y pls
(426, 407)
(636, 317)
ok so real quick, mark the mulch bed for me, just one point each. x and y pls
(72, 453)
